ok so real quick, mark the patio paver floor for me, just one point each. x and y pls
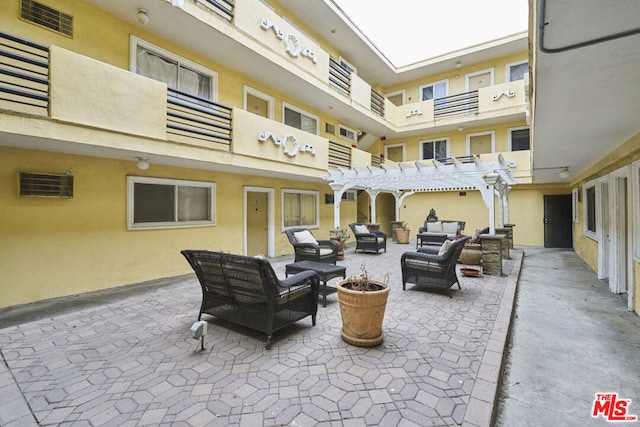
(131, 361)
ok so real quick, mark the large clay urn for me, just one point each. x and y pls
(362, 312)
(471, 254)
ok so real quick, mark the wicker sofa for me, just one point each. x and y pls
(431, 268)
(246, 291)
(436, 232)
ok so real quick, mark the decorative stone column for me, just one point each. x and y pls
(505, 244)
(492, 253)
(510, 226)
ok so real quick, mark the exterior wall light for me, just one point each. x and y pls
(142, 16)
(143, 164)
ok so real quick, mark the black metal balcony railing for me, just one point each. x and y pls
(223, 7)
(339, 77)
(463, 103)
(197, 118)
(339, 155)
(377, 103)
(24, 75)
(376, 161)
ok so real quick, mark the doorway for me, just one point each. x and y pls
(620, 266)
(558, 222)
(258, 223)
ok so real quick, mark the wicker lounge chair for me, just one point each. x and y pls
(366, 240)
(428, 267)
(307, 248)
(246, 291)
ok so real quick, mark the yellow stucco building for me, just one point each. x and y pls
(129, 132)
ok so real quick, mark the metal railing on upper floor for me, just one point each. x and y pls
(223, 7)
(339, 155)
(462, 103)
(24, 75)
(197, 118)
(339, 77)
(377, 103)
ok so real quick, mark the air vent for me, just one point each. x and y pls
(47, 17)
(46, 185)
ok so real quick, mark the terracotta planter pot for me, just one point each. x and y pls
(471, 254)
(362, 314)
(402, 235)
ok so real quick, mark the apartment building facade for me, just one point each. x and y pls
(132, 131)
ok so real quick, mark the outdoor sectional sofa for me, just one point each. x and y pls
(246, 291)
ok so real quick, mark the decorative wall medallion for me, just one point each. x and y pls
(289, 144)
(508, 94)
(415, 112)
(291, 43)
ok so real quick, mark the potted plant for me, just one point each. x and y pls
(340, 235)
(362, 303)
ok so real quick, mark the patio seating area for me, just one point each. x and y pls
(132, 360)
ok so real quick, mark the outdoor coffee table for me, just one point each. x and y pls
(324, 270)
(430, 239)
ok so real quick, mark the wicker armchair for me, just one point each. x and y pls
(429, 268)
(246, 291)
(367, 240)
(307, 248)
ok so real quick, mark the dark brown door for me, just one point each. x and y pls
(558, 225)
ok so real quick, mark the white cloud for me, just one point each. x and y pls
(407, 31)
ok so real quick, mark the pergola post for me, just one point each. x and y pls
(372, 197)
(491, 179)
(337, 198)
(506, 205)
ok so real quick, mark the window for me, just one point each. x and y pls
(434, 90)
(168, 203)
(589, 197)
(519, 139)
(300, 119)
(517, 71)
(300, 208)
(347, 133)
(436, 149)
(349, 196)
(178, 73)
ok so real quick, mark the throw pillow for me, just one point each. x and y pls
(361, 229)
(445, 247)
(450, 228)
(434, 227)
(305, 237)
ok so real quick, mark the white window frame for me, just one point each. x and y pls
(349, 67)
(402, 93)
(386, 150)
(286, 105)
(467, 77)
(447, 143)
(248, 90)
(588, 233)
(493, 140)
(514, 64)
(132, 180)
(136, 41)
(354, 132)
(446, 82)
(316, 194)
(510, 130)
(635, 200)
(575, 205)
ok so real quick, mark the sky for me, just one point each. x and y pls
(408, 31)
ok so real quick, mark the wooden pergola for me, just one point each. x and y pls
(492, 179)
